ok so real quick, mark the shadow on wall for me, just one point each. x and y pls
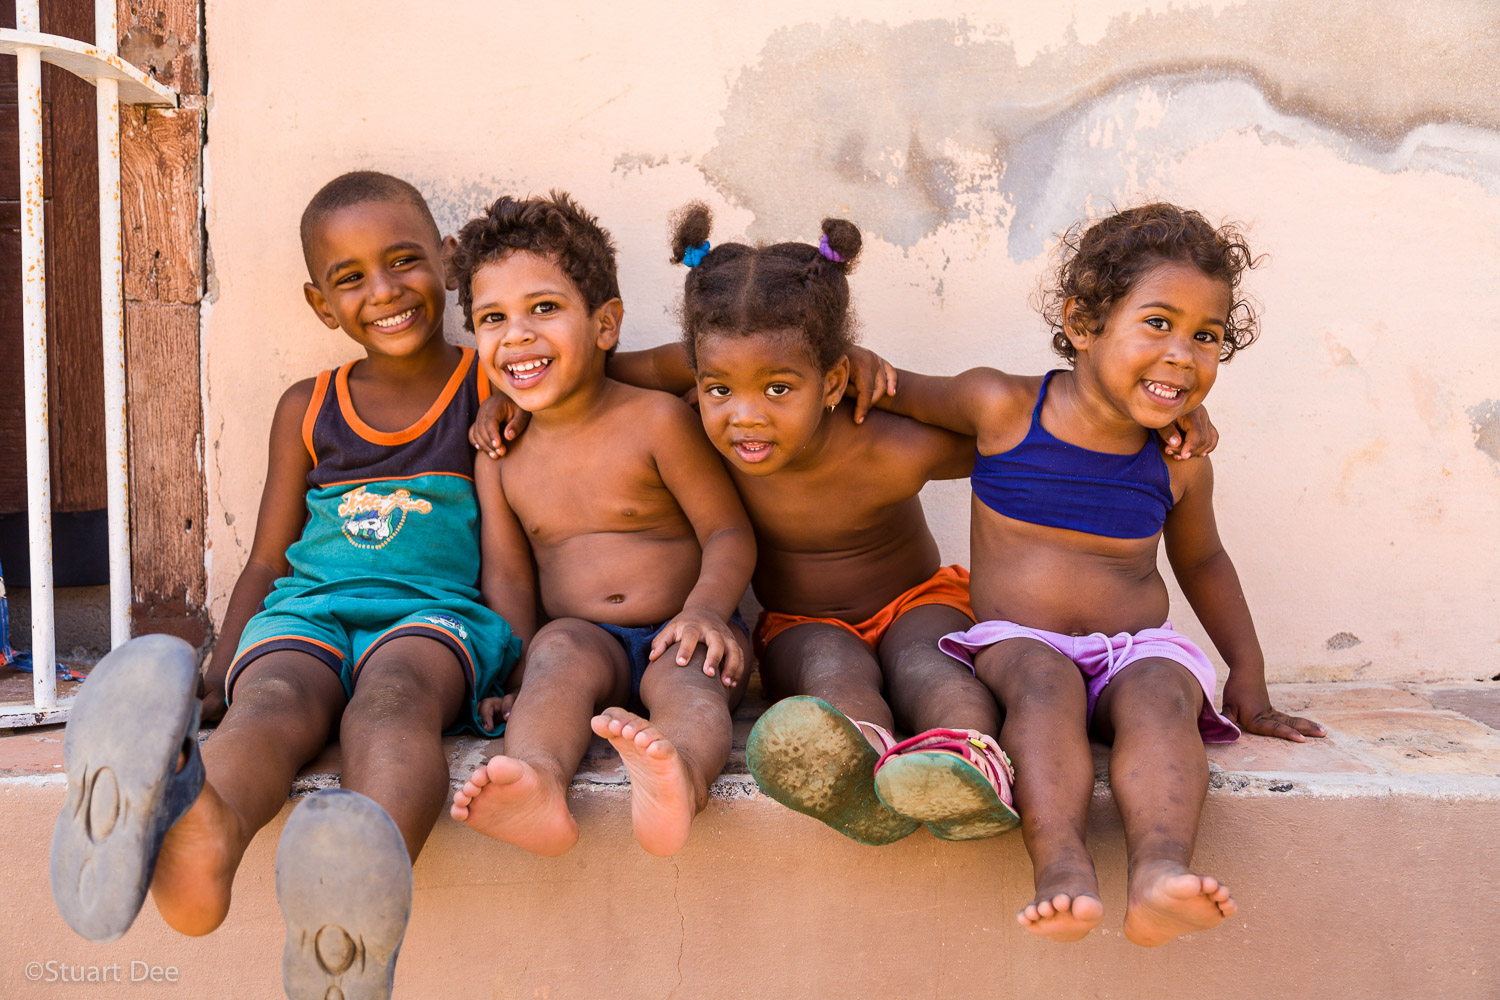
(927, 123)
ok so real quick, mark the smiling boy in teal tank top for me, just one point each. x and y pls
(368, 611)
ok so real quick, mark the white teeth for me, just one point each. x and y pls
(1164, 391)
(390, 321)
(528, 366)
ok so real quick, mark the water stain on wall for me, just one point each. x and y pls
(910, 127)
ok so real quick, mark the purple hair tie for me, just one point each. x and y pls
(828, 251)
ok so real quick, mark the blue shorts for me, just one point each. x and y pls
(636, 641)
(342, 629)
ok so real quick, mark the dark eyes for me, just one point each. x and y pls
(778, 389)
(492, 317)
(717, 391)
(542, 308)
(1203, 336)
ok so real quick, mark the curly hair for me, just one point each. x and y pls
(555, 227)
(1098, 264)
(739, 289)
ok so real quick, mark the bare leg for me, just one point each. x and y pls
(825, 661)
(285, 707)
(409, 690)
(573, 670)
(928, 688)
(1046, 735)
(674, 757)
(1159, 775)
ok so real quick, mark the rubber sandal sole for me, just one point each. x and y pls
(136, 712)
(945, 792)
(810, 757)
(344, 883)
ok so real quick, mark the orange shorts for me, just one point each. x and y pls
(949, 586)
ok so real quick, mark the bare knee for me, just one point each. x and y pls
(393, 695)
(1041, 679)
(281, 695)
(829, 657)
(1159, 690)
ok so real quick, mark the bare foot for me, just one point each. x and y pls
(663, 800)
(195, 869)
(1067, 904)
(1167, 900)
(510, 800)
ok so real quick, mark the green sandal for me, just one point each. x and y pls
(809, 756)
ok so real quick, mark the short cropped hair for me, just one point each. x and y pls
(555, 227)
(1099, 263)
(737, 289)
(357, 188)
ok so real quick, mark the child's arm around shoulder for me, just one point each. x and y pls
(692, 472)
(507, 580)
(283, 511)
(1212, 587)
(975, 403)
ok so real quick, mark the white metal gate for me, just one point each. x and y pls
(116, 82)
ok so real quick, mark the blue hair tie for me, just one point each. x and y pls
(693, 256)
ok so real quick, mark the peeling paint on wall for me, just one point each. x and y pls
(908, 128)
(1485, 420)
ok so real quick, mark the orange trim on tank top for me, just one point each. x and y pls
(370, 434)
(393, 479)
(320, 390)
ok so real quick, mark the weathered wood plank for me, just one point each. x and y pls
(160, 187)
(161, 37)
(166, 441)
(160, 178)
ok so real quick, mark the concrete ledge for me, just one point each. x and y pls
(1364, 866)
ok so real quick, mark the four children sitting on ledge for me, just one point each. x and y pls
(580, 576)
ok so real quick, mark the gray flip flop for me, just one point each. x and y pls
(344, 884)
(135, 714)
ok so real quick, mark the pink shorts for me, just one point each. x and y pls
(1101, 658)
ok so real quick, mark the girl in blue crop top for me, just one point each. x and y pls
(1071, 496)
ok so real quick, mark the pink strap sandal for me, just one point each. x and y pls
(957, 781)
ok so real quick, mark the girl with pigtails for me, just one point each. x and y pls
(848, 571)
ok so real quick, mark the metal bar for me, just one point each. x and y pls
(111, 282)
(90, 63)
(34, 313)
(112, 298)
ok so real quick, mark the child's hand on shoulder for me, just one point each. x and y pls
(1248, 705)
(695, 625)
(486, 433)
(1193, 434)
(871, 378)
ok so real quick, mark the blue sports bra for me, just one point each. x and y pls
(1049, 482)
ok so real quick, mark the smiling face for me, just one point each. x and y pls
(1158, 353)
(379, 276)
(762, 398)
(537, 338)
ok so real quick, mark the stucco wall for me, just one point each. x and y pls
(1359, 472)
